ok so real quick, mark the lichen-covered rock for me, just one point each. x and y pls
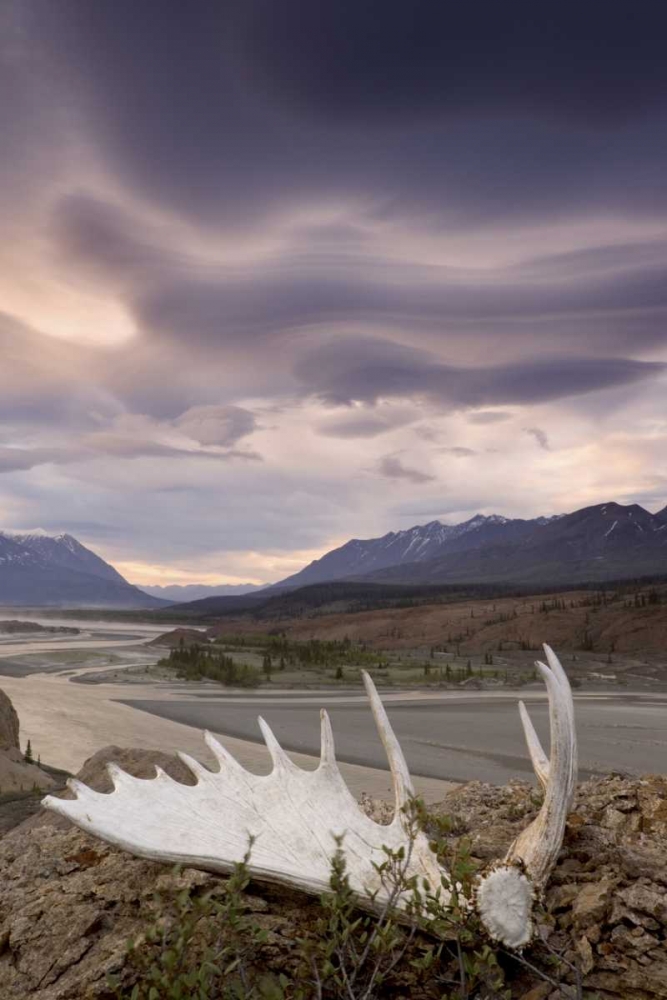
(606, 903)
(69, 903)
(592, 903)
(140, 763)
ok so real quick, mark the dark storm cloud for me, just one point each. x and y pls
(253, 207)
(440, 57)
(176, 295)
(348, 370)
(392, 467)
(271, 300)
(23, 459)
(228, 111)
(540, 436)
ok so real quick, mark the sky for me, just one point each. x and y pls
(275, 275)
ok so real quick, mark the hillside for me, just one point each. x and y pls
(606, 542)
(421, 544)
(39, 570)
(602, 542)
(628, 620)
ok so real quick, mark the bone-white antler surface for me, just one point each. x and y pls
(295, 817)
(536, 850)
(538, 846)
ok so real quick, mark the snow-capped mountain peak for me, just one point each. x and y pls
(37, 568)
(599, 542)
(417, 544)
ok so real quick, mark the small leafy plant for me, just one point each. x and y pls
(426, 941)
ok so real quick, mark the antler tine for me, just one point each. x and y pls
(537, 754)
(568, 705)
(81, 791)
(225, 759)
(400, 775)
(123, 779)
(505, 895)
(539, 844)
(281, 761)
(199, 771)
(328, 749)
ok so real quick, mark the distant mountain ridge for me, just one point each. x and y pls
(199, 591)
(37, 569)
(601, 542)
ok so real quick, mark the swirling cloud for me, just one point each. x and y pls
(261, 259)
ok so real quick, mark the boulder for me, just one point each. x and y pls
(9, 724)
(592, 903)
(140, 763)
(16, 775)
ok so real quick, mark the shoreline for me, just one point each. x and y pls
(69, 723)
(449, 735)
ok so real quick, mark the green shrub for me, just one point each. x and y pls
(209, 947)
(196, 662)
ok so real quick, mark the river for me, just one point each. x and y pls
(446, 735)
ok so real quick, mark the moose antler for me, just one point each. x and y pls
(296, 819)
(505, 895)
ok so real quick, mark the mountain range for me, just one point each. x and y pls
(602, 542)
(37, 569)
(607, 541)
(180, 593)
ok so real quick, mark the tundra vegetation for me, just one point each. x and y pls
(612, 634)
(69, 904)
(238, 660)
(205, 946)
(196, 662)
(396, 871)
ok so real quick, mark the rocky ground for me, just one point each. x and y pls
(69, 903)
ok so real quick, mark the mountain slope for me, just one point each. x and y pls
(67, 552)
(38, 569)
(362, 557)
(602, 542)
(421, 544)
(15, 555)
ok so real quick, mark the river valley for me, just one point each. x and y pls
(447, 735)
